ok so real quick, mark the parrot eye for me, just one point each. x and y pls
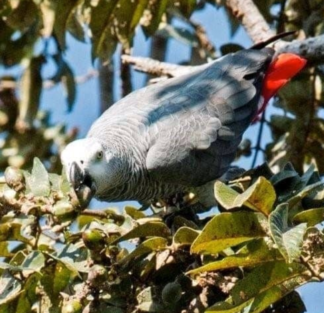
(99, 155)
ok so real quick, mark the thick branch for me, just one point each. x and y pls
(251, 18)
(312, 49)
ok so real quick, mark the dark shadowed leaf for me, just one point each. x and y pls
(29, 295)
(68, 82)
(103, 39)
(230, 48)
(63, 11)
(31, 88)
(229, 229)
(75, 27)
(152, 16)
(23, 16)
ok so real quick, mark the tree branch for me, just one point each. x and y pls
(150, 66)
(251, 19)
(311, 49)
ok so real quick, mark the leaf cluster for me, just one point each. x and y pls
(58, 256)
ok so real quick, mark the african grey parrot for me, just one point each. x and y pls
(179, 134)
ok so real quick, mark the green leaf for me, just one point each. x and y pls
(180, 34)
(229, 229)
(149, 229)
(54, 181)
(152, 17)
(9, 288)
(184, 236)
(29, 295)
(23, 16)
(146, 301)
(31, 88)
(259, 197)
(75, 28)
(35, 261)
(263, 299)
(63, 11)
(103, 40)
(4, 251)
(289, 241)
(295, 198)
(254, 253)
(312, 217)
(68, 82)
(275, 293)
(134, 213)
(38, 181)
(265, 277)
(73, 258)
(148, 246)
(226, 307)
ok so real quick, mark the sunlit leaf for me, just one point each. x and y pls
(184, 236)
(288, 240)
(150, 229)
(265, 277)
(9, 288)
(312, 217)
(227, 230)
(254, 253)
(148, 246)
(134, 213)
(38, 181)
(259, 197)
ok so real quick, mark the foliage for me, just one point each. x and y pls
(57, 256)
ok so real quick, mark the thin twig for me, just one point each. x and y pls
(157, 68)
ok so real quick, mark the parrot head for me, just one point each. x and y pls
(90, 166)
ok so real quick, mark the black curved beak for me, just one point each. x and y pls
(76, 176)
(82, 183)
(80, 178)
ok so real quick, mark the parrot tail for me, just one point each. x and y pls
(280, 71)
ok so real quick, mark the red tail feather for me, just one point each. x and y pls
(280, 71)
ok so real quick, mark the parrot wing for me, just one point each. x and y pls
(195, 131)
